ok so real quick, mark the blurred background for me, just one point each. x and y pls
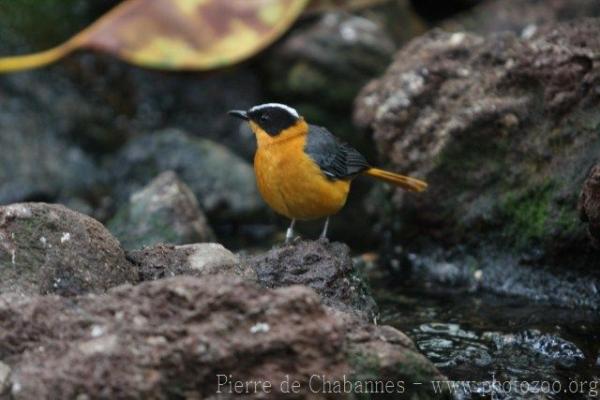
(493, 102)
(92, 129)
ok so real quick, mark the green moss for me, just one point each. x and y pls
(303, 77)
(413, 368)
(365, 367)
(527, 214)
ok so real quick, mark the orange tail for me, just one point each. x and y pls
(405, 182)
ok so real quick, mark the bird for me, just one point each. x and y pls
(303, 171)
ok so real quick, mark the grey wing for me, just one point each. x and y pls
(337, 160)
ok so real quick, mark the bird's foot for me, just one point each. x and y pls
(289, 236)
(323, 236)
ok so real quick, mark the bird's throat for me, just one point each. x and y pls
(300, 128)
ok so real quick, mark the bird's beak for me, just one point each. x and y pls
(240, 114)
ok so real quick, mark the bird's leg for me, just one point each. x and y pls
(325, 227)
(289, 235)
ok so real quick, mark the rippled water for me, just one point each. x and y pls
(498, 347)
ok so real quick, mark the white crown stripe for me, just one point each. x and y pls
(276, 105)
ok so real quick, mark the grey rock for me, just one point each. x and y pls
(523, 17)
(63, 120)
(495, 271)
(209, 257)
(131, 100)
(165, 211)
(223, 183)
(325, 267)
(355, 49)
(198, 259)
(48, 248)
(42, 163)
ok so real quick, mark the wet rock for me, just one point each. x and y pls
(48, 248)
(503, 273)
(554, 347)
(200, 328)
(163, 261)
(451, 346)
(449, 274)
(589, 205)
(523, 17)
(502, 128)
(485, 357)
(165, 211)
(325, 267)
(223, 183)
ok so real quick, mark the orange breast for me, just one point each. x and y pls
(292, 183)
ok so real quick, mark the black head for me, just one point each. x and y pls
(272, 117)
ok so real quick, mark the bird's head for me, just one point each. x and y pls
(274, 119)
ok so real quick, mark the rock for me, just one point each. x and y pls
(165, 211)
(502, 272)
(355, 50)
(223, 183)
(137, 100)
(183, 336)
(89, 105)
(325, 267)
(589, 205)
(522, 17)
(48, 248)
(199, 259)
(41, 163)
(502, 128)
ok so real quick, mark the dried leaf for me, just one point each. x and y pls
(178, 34)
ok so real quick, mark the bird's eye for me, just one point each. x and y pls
(264, 118)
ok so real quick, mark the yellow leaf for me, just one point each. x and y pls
(177, 34)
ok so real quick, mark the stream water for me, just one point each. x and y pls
(497, 347)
